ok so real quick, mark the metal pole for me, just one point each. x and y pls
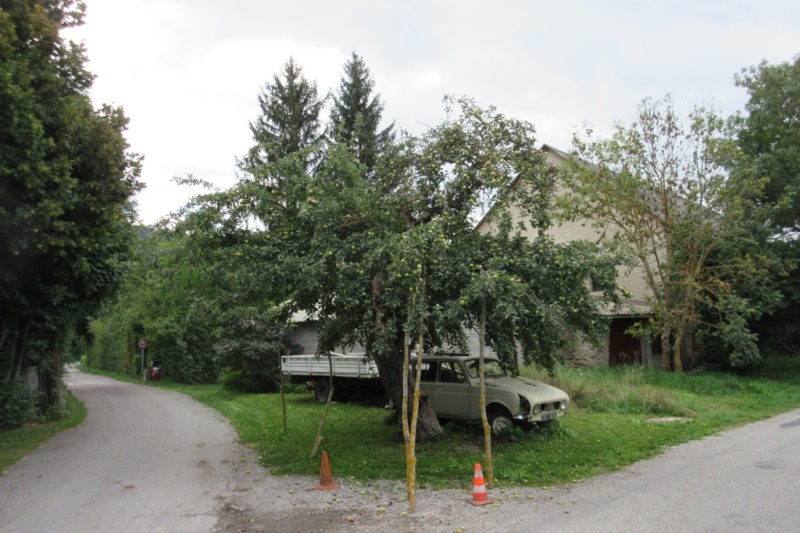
(144, 378)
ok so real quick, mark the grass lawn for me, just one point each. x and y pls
(606, 428)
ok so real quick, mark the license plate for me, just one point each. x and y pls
(549, 416)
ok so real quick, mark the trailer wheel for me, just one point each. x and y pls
(322, 388)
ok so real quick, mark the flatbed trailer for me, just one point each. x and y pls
(352, 374)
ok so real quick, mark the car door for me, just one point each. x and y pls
(451, 396)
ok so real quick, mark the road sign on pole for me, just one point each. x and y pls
(142, 344)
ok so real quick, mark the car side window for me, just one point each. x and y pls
(472, 369)
(429, 371)
(451, 372)
(492, 369)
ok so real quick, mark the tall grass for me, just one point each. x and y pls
(648, 391)
(630, 389)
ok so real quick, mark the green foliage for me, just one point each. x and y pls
(659, 190)
(289, 119)
(731, 343)
(251, 347)
(396, 232)
(113, 342)
(155, 304)
(237, 381)
(17, 404)
(352, 239)
(779, 331)
(201, 300)
(518, 276)
(65, 183)
(768, 136)
(17, 443)
(355, 247)
(356, 115)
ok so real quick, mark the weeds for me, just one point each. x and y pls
(614, 390)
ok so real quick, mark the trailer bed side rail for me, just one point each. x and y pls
(344, 365)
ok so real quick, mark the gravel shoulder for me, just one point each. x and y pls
(740, 480)
(291, 504)
(152, 460)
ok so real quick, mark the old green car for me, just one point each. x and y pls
(452, 385)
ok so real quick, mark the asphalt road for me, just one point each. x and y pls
(151, 460)
(143, 460)
(743, 480)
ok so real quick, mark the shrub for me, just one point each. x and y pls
(236, 381)
(17, 404)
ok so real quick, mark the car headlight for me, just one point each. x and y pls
(563, 405)
(537, 408)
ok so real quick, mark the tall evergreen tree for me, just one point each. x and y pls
(356, 114)
(289, 119)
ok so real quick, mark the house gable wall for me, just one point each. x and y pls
(632, 279)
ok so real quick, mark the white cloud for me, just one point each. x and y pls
(188, 72)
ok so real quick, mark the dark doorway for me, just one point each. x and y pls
(623, 349)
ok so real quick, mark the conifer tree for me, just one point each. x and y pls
(356, 114)
(289, 119)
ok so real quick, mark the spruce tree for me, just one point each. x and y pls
(289, 119)
(356, 114)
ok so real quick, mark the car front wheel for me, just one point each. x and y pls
(500, 421)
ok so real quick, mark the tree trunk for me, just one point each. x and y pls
(666, 350)
(18, 346)
(318, 440)
(409, 425)
(12, 360)
(390, 368)
(487, 430)
(4, 334)
(677, 363)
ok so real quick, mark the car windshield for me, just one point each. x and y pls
(491, 368)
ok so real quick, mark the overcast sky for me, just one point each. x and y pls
(188, 72)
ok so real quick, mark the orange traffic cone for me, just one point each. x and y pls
(325, 476)
(479, 496)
